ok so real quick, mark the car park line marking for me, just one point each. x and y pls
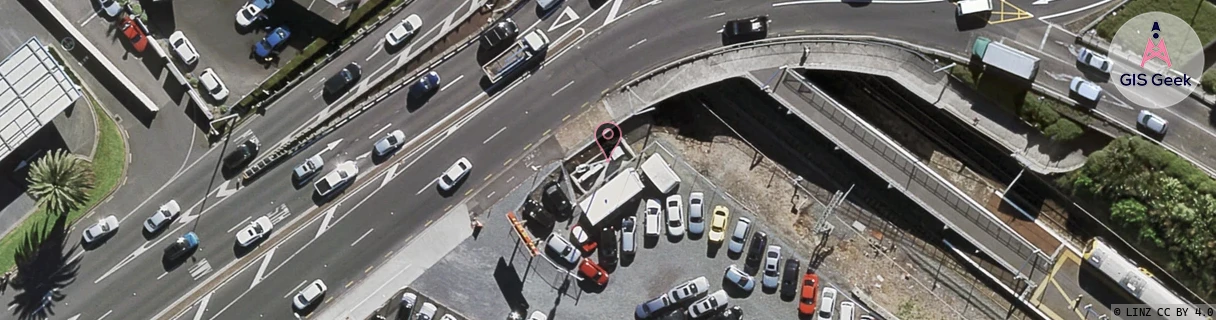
(636, 44)
(445, 87)
(294, 290)
(257, 278)
(329, 214)
(494, 135)
(107, 314)
(202, 306)
(564, 88)
(89, 19)
(566, 12)
(369, 231)
(373, 136)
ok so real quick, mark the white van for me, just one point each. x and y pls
(981, 8)
(846, 310)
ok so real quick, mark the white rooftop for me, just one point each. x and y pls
(33, 90)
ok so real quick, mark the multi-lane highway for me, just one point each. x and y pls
(337, 239)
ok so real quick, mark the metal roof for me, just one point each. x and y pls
(33, 90)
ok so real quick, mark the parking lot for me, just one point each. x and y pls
(492, 275)
(211, 27)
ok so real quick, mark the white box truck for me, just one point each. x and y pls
(659, 173)
(516, 56)
(974, 8)
(618, 191)
(1007, 59)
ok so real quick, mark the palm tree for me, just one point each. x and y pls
(60, 182)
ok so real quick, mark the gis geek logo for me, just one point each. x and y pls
(1155, 51)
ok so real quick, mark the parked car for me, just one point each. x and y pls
(270, 44)
(827, 303)
(708, 304)
(344, 78)
(339, 178)
(1088, 91)
(755, 253)
(741, 280)
(103, 227)
(608, 251)
(593, 272)
(538, 315)
(182, 247)
(789, 277)
(500, 34)
(242, 153)
(582, 239)
(650, 307)
(311, 166)
(183, 48)
(772, 262)
(254, 231)
(688, 290)
(696, 216)
(389, 143)
(746, 29)
(139, 41)
(737, 238)
(403, 30)
(717, 224)
(251, 11)
(810, 289)
(556, 201)
(212, 85)
(110, 7)
(675, 216)
(309, 295)
(564, 250)
(652, 217)
(426, 312)
(628, 244)
(1155, 124)
(426, 84)
(545, 5)
(847, 310)
(408, 300)
(165, 214)
(455, 174)
(1094, 60)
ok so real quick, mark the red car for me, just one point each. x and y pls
(591, 271)
(810, 288)
(138, 40)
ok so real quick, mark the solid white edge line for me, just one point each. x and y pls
(1061, 14)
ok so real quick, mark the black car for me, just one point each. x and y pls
(556, 201)
(182, 246)
(501, 33)
(608, 247)
(242, 153)
(753, 28)
(789, 278)
(755, 254)
(344, 78)
(534, 212)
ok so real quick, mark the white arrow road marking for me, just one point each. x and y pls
(329, 214)
(223, 191)
(202, 306)
(567, 12)
(77, 316)
(388, 176)
(262, 269)
(281, 213)
(330, 146)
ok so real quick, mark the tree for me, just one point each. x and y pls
(60, 182)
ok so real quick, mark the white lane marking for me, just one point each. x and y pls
(329, 214)
(719, 14)
(130, 257)
(202, 306)
(369, 231)
(167, 183)
(296, 289)
(379, 131)
(319, 84)
(445, 87)
(567, 12)
(364, 155)
(392, 173)
(1045, 34)
(106, 315)
(428, 185)
(1061, 14)
(792, 3)
(223, 190)
(616, 7)
(162, 275)
(238, 225)
(390, 280)
(494, 135)
(76, 256)
(257, 278)
(375, 50)
(636, 44)
(562, 88)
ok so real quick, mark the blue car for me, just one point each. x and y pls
(426, 84)
(271, 43)
(182, 246)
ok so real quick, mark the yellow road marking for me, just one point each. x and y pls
(1008, 13)
(530, 144)
(544, 134)
(505, 163)
(348, 284)
(369, 268)
(566, 117)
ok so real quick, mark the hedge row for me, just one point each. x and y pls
(1039, 111)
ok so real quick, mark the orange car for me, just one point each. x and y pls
(139, 41)
(591, 271)
(810, 288)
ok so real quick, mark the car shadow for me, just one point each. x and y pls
(589, 286)
(674, 238)
(733, 255)
(318, 199)
(734, 291)
(301, 183)
(649, 242)
(971, 22)
(172, 264)
(240, 251)
(858, 3)
(97, 243)
(378, 159)
(451, 191)
(626, 260)
(414, 101)
(309, 308)
(694, 236)
(1091, 73)
(149, 235)
(712, 249)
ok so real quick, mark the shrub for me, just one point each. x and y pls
(1208, 82)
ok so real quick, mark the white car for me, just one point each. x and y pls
(689, 290)
(166, 213)
(212, 84)
(337, 179)
(827, 303)
(538, 315)
(741, 279)
(183, 48)
(564, 250)
(251, 11)
(652, 217)
(847, 310)
(651, 306)
(1154, 123)
(696, 213)
(390, 142)
(426, 312)
(772, 263)
(735, 245)
(407, 302)
(309, 294)
(1085, 89)
(675, 216)
(448, 316)
(310, 167)
(255, 230)
(455, 173)
(102, 228)
(628, 227)
(111, 7)
(547, 4)
(708, 304)
(1094, 60)
(403, 30)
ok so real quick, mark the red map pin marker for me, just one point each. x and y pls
(608, 136)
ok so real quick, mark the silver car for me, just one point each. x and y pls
(102, 228)
(742, 280)
(1085, 89)
(628, 231)
(309, 294)
(648, 308)
(1094, 60)
(163, 216)
(403, 30)
(563, 249)
(688, 290)
(772, 263)
(455, 173)
(709, 304)
(1154, 123)
(675, 216)
(390, 142)
(735, 246)
(310, 167)
(696, 213)
(426, 312)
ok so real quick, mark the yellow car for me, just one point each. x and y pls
(717, 226)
